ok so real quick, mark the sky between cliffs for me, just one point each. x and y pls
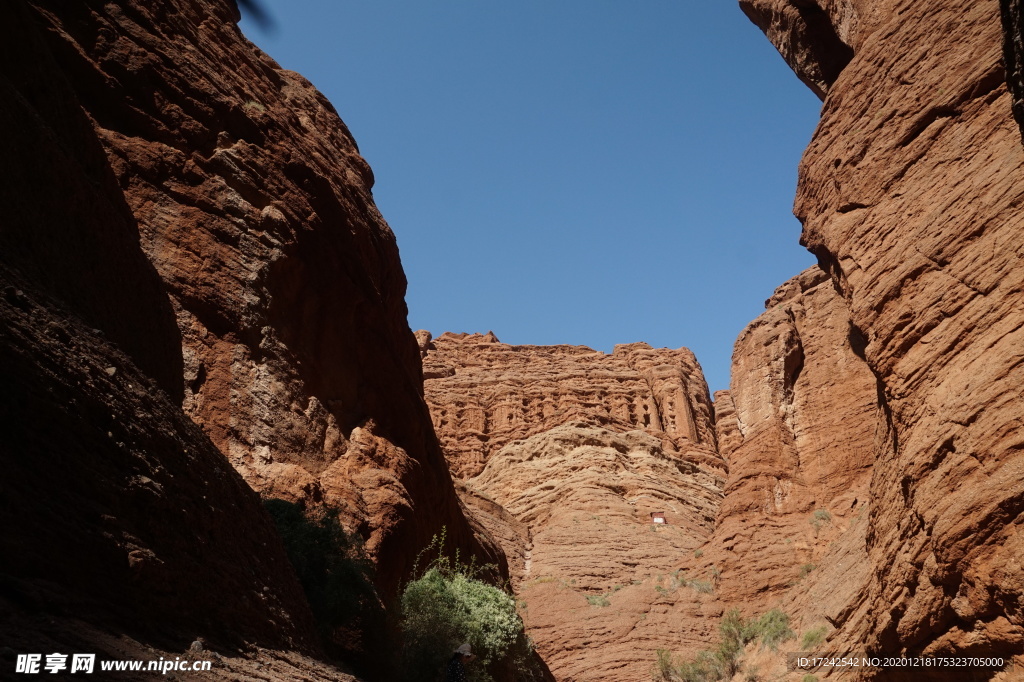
(587, 172)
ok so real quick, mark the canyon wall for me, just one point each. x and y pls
(194, 276)
(910, 194)
(254, 206)
(798, 424)
(117, 510)
(484, 394)
(564, 453)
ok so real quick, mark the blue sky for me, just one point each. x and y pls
(569, 171)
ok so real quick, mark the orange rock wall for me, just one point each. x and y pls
(564, 454)
(483, 394)
(910, 195)
(254, 206)
(800, 420)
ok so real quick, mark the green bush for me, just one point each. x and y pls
(819, 517)
(772, 629)
(333, 572)
(813, 638)
(447, 606)
(724, 662)
(702, 586)
(599, 600)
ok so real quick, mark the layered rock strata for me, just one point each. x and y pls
(254, 206)
(117, 510)
(595, 568)
(483, 394)
(798, 431)
(566, 453)
(910, 195)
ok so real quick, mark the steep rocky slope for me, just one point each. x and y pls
(565, 452)
(910, 195)
(798, 424)
(254, 206)
(188, 225)
(116, 509)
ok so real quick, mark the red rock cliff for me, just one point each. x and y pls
(910, 195)
(254, 206)
(484, 394)
(118, 513)
(565, 452)
(799, 421)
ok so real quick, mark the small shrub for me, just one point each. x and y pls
(819, 517)
(598, 600)
(702, 586)
(664, 666)
(813, 637)
(724, 662)
(772, 629)
(809, 678)
(698, 553)
(331, 567)
(806, 569)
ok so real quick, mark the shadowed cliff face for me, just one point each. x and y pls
(188, 224)
(815, 37)
(1013, 55)
(117, 511)
(910, 195)
(254, 206)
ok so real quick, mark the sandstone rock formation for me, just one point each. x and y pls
(565, 452)
(593, 561)
(910, 195)
(116, 509)
(799, 422)
(254, 206)
(484, 394)
(188, 224)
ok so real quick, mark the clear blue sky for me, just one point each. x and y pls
(569, 171)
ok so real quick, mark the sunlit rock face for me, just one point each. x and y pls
(564, 453)
(484, 394)
(910, 194)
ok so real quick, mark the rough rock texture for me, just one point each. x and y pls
(815, 37)
(117, 510)
(483, 394)
(255, 663)
(910, 196)
(799, 427)
(565, 453)
(254, 206)
(584, 497)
